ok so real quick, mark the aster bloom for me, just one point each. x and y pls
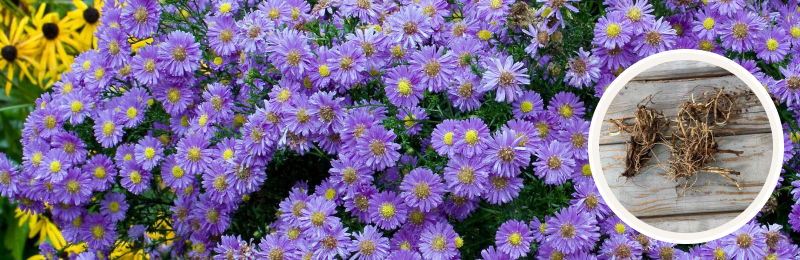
(707, 24)
(252, 31)
(9, 174)
(504, 156)
(553, 163)
(318, 215)
(145, 66)
(387, 210)
(491, 254)
(369, 244)
(612, 30)
(442, 137)
(528, 105)
(409, 26)
(102, 171)
(471, 136)
(217, 183)
(333, 242)
(76, 106)
(55, 165)
(348, 62)
(466, 177)
(221, 34)
(377, 149)
(506, 76)
(576, 134)
(514, 238)
(727, 8)
(438, 241)
(620, 247)
(739, 33)
(422, 189)
(583, 71)
(98, 231)
(403, 87)
(663, 251)
(787, 88)
(292, 54)
(540, 38)
(140, 17)
(436, 67)
(747, 242)
(193, 155)
(502, 190)
(72, 145)
(572, 231)
(149, 152)
(135, 180)
(566, 106)
(465, 93)
(75, 188)
(274, 246)
(657, 37)
(179, 54)
(538, 228)
(114, 206)
(772, 45)
(588, 199)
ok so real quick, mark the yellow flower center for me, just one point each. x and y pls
(193, 154)
(795, 31)
(409, 121)
(459, 242)
(387, 210)
(284, 95)
(185, 121)
(318, 218)
(128, 157)
(484, 35)
(496, 4)
(566, 111)
(37, 159)
(132, 112)
(220, 182)
(227, 154)
(293, 57)
(708, 23)
(634, 14)
(586, 170)
(438, 243)
(113, 206)
(772, 44)
(108, 128)
(620, 228)
(526, 107)
(140, 15)
(448, 138)
(404, 87)
(150, 66)
(274, 14)
(203, 120)
(323, 70)
(55, 166)
(613, 30)
(98, 232)
(173, 95)
(73, 186)
(225, 8)
(515, 239)
(50, 122)
(471, 137)
(330, 194)
(466, 175)
(136, 177)
(67, 87)
(76, 106)
(86, 65)
(179, 53)
(422, 190)
(377, 148)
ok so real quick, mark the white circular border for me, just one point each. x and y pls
(777, 146)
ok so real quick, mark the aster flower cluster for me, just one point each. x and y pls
(365, 129)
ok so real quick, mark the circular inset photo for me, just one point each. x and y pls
(685, 146)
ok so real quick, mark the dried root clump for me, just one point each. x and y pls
(693, 143)
(645, 132)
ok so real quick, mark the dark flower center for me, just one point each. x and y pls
(506, 154)
(652, 38)
(432, 68)
(591, 202)
(363, 4)
(410, 28)
(579, 66)
(666, 253)
(329, 242)
(739, 30)
(744, 241)
(554, 162)
(622, 251)
(506, 79)
(368, 48)
(567, 230)
(793, 83)
(9, 53)
(578, 140)
(50, 30)
(326, 114)
(91, 15)
(459, 29)
(466, 175)
(542, 37)
(362, 202)
(466, 90)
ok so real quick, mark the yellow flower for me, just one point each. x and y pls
(86, 17)
(8, 13)
(41, 226)
(18, 52)
(55, 37)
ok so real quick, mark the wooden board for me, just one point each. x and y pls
(715, 200)
(680, 70)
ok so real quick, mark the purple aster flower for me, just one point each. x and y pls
(179, 53)
(72, 145)
(113, 46)
(551, 10)
(174, 175)
(471, 136)
(47, 251)
(422, 189)
(102, 171)
(465, 92)
(292, 55)
(540, 35)
(788, 89)
(387, 210)
(221, 32)
(576, 134)
(212, 217)
(114, 206)
(216, 182)
(140, 17)
(369, 244)
(748, 242)
(466, 177)
(98, 231)
(514, 238)
(253, 31)
(409, 26)
(728, 7)
(277, 11)
(108, 128)
(358, 204)
(620, 247)
(435, 66)
(193, 155)
(664, 251)
(54, 166)
(134, 179)
(404, 255)
(506, 76)
(146, 66)
(376, 148)
(442, 137)
(438, 241)
(459, 207)
(47, 121)
(292, 207)
(612, 30)
(639, 13)
(274, 246)
(505, 156)
(583, 71)
(791, 25)
(299, 120)
(403, 87)
(572, 231)
(615, 59)
(411, 118)
(501, 190)
(588, 200)
(334, 241)
(706, 24)
(348, 61)
(553, 163)
(9, 177)
(491, 254)
(657, 37)
(75, 188)
(76, 106)
(528, 105)
(614, 225)
(318, 215)
(494, 10)
(348, 174)
(328, 109)
(739, 33)
(149, 152)
(229, 246)
(539, 227)
(772, 45)
(566, 106)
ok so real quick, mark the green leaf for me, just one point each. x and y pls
(14, 238)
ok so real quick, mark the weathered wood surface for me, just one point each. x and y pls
(681, 70)
(714, 200)
(667, 95)
(691, 223)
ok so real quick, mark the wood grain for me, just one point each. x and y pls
(649, 194)
(681, 70)
(690, 222)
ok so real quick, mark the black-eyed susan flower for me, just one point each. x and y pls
(86, 18)
(55, 38)
(18, 52)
